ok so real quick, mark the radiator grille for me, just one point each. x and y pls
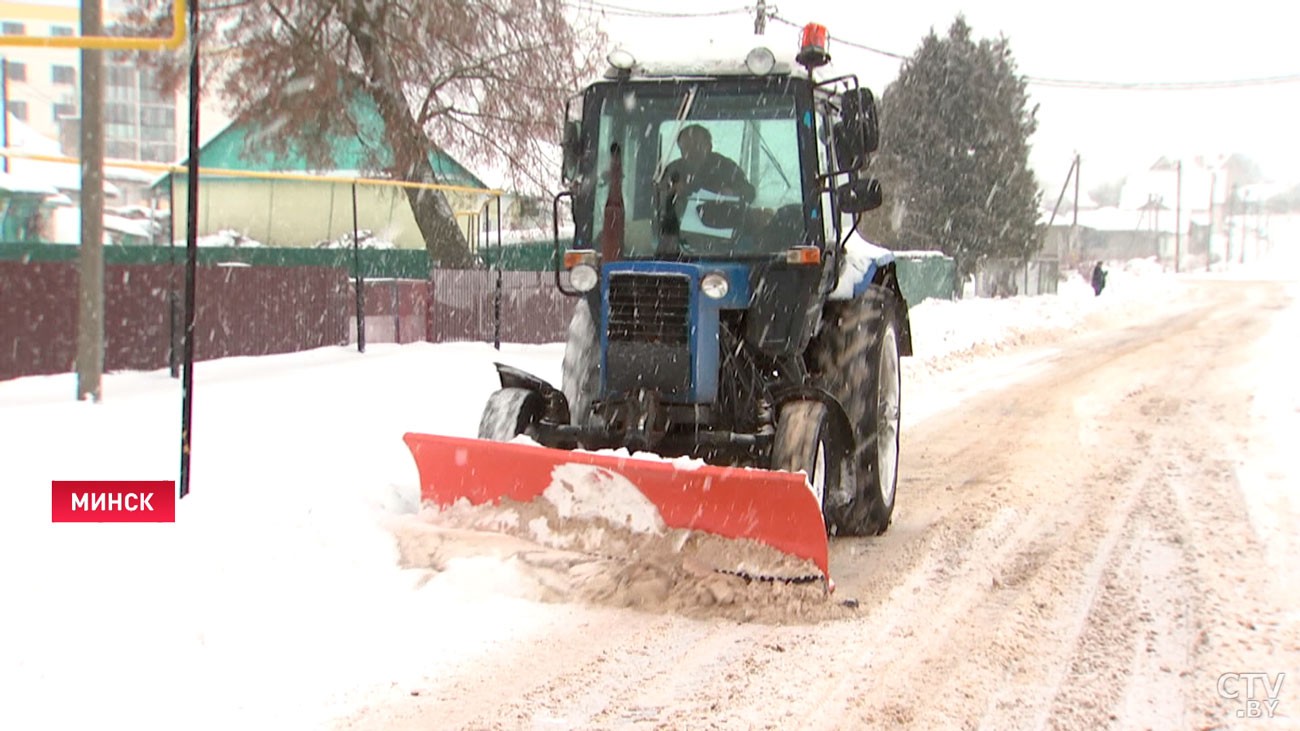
(649, 308)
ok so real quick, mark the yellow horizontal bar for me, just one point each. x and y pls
(268, 175)
(110, 43)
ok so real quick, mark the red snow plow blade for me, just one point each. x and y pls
(770, 507)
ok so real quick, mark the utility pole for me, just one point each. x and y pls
(1245, 220)
(90, 319)
(1064, 187)
(760, 18)
(1232, 220)
(4, 105)
(1178, 222)
(1209, 239)
(1074, 222)
(1156, 202)
(191, 257)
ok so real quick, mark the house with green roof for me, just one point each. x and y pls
(308, 213)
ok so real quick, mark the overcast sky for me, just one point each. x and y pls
(1104, 40)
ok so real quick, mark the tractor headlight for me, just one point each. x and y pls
(584, 277)
(760, 61)
(621, 59)
(714, 285)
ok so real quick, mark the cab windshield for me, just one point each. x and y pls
(706, 171)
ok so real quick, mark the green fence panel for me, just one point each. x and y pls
(375, 263)
(534, 256)
(923, 277)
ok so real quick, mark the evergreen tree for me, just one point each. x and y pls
(954, 155)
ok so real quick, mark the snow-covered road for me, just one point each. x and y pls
(1095, 518)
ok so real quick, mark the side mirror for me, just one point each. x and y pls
(858, 134)
(572, 150)
(860, 195)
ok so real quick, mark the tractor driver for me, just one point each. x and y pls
(700, 168)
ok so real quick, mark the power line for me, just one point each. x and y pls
(1162, 85)
(845, 41)
(628, 12)
(1100, 84)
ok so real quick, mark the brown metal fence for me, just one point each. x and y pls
(464, 307)
(261, 310)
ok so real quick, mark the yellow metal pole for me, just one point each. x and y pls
(110, 43)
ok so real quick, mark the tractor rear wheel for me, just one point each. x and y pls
(804, 443)
(856, 358)
(509, 412)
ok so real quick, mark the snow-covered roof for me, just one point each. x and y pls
(127, 175)
(60, 175)
(23, 137)
(24, 184)
(920, 254)
(715, 57)
(126, 226)
(511, 237)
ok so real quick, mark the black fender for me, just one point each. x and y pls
(834, 409)
(556, 405)
(887, 277)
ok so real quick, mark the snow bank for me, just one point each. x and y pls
(942, 328)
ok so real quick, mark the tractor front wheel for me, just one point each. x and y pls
(509, 412)
(804, 443)
(580, 377)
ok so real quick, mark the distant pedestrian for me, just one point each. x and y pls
(1098, 279)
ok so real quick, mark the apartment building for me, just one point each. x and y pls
(43, 86)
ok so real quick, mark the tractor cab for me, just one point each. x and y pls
(716, 161)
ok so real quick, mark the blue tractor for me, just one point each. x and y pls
(726, 307)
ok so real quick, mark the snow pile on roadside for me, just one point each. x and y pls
(944, 330)
(228, 237)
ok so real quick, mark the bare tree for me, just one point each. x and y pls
(483, 78)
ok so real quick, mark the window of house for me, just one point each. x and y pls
(118, 113)
(63, 75)
(157, 134)
(17, 70)
(158, 152)
(120, 149)
(121, 76)
(64, 110)
(18, 108)
(13, 29)
(60, 30)
(158, 117)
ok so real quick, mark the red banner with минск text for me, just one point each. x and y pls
(113, 501)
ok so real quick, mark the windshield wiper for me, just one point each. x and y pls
(762, 144)
(670, 226)
(682, 113)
